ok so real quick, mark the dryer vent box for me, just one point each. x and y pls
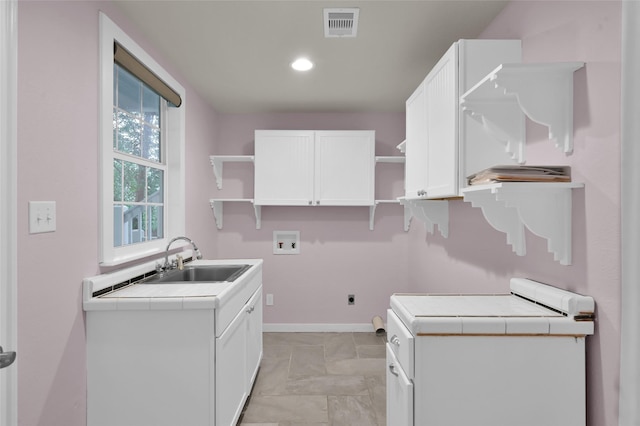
(341, 22)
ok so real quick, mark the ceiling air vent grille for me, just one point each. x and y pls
(341, 22)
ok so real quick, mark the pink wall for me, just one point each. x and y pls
(476, 258)
(339, 254)
(58, 160)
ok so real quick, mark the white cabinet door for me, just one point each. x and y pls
(254, 336)
(284, 167)
(231, 371)
(441, 92)
(334, 168)
(344, 166)
(399, 393)
(416, 144)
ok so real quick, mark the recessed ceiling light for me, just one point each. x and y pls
(302, 64)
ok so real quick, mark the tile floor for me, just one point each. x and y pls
(314, 379)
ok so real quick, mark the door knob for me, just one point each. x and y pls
(6, 358)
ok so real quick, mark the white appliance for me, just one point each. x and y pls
(514, 359)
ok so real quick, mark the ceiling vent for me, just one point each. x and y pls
(341, 22)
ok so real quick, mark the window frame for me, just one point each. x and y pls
(174, 148)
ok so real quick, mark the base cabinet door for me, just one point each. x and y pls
(399, 393)
(254, 337)
(231, 380)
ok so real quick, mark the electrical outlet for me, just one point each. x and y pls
(42, 216)
(269, 299)
(351, 299)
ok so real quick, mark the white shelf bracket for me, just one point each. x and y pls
(544, 208)
(216, 205)
(258, 212)
(545, 94)
(217, 162)
(500, 218)
(504, 121)
(430, 212)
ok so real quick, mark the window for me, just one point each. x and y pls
(139, 160)
(142, 155)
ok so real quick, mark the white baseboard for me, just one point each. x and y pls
(318, 328)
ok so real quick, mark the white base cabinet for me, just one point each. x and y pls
(168, 367)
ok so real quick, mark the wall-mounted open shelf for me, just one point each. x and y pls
(217, 162)
(218, 203)
(430, 212)
(544, 208)
(544, 92)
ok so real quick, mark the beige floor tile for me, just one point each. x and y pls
(328, 385)
(307, 361)
(357, 367)
(287, 408)
(371, 351)
(340, 346)
(378, 394)
(351, 411)
(369, 339)
(272, 377)
(276, 351)
(293, 339)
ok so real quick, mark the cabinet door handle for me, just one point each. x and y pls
(394, 340)
(250, 309)
(392, 369)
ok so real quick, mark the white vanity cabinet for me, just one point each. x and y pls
(159, 359)
(306, 167)
(443, 145)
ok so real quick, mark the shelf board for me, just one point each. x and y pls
(543, 208)
(542, 91)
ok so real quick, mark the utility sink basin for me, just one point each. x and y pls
(199, 274)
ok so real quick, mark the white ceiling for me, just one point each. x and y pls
(236, 53)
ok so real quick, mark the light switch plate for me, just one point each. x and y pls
(42, 216)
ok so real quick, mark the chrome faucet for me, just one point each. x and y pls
(166, 265)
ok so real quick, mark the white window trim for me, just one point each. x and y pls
(175, 151)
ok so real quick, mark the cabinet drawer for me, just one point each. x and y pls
(401, 343)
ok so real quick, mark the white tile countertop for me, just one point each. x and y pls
(119, 290)
(531, 308)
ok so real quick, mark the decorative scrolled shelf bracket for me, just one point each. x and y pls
(430, 212)
(544, 208)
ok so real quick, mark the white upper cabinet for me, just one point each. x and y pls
(443, 146)
(332, 168)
